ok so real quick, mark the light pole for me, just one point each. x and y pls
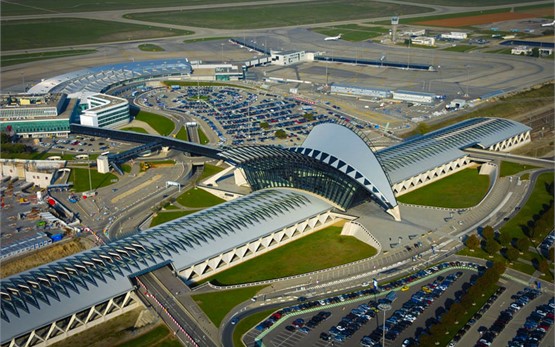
(467, 79)
(384, 307)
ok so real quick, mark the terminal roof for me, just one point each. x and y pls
(39, 296)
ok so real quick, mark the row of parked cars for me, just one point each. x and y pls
(477, 316)
(305, 304)
(536, 326)
(520, 299)
(409, 312)
(305, 327)
(351, 322)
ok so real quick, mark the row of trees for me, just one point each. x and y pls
(457, 314)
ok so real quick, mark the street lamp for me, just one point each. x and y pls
(467, 79)
(384, 307)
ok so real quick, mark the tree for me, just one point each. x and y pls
(505, 239)
(265, 125)
(280, 134)
(511, 253)
(543, 266)
(488, 232)
(535, 52)
(523, 244)
(551, 254)
(492, 246)
(472, 242)
(308, 116)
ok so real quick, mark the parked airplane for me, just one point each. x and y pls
(548, 24)
(333, 38)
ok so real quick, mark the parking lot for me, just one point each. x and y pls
(239, 116)
(416, 302)
(355, 318)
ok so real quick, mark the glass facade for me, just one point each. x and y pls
(294, 170)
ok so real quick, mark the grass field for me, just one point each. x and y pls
(460, 190)
(40, 33)
(198, 198)
(163, 217)
(539, 197)
(161, 124)
(246, 324)
(206, 39)
(23, 7)
(216, 305)
(182, 134)
(460, 48)
(509, 169)
(14, 59)
(202, 137)
(500, 51)
(209, 170)
(157, 337)
(280, 15)
(149, 47)
(80, 179)
(135, 130)
(320, 250)
(353, 32)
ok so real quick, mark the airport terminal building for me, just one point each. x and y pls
(297, 191)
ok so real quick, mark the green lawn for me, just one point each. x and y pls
(278, 15)
(320, 250)
(539, 197)
(459, 48)
(353, 32)
(182, 134)
(198, 198)
(508, 168)
(209, 170)
(135, 129)
(80, 179)
(149, 47)
(162, 125)
(202, 136)
(157, 337)
(163, 217)
(500, 51)
(217, 304)
(206, 39)
(14, 59)
(460, 190)
(41, 33)
(246, 324)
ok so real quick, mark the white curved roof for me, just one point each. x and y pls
(34, 298)
(352, 151)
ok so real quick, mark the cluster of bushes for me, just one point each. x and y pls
(457, 314)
